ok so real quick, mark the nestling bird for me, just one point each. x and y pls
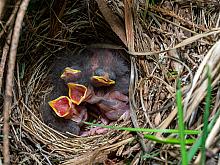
(94, 77)
(103, 68)
(104, 72)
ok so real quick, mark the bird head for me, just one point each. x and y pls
(102, 78)
(70, 75)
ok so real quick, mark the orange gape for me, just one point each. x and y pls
(63, 107)
(77, 93)
(69, 107)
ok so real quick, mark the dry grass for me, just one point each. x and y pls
(167, 40)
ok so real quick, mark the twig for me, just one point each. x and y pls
(11, 18)
(173, 23)
(130, 44)
(9, 80)
(166, 12)
(57, 12)
(4, 57)
(143, 106)
(2, 5)
(115, 23)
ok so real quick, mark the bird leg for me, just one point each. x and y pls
(94, 131)
(80, 114)
(114, 105)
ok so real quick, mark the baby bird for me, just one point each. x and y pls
(97, 77)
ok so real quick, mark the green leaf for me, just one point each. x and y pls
(174, 131)
(168, 140)
(181, 123)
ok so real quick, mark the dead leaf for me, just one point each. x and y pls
(115, 23)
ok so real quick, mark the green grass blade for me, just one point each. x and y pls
(181, 123)
(174, 131)
(206, 128)
(152, 154)
(145, 10)
(168, 140)
(206, 117)
(191, 153)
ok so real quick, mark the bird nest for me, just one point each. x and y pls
(64, 146)
(163, 42)
(36, 89)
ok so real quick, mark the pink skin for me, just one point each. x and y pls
(94, 131)
(114, 105)
(113, 109)
(80, 114)
(117, 95)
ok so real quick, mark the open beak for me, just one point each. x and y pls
(70, 74)
(77, 92)
(99, 81)
(62, 106)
